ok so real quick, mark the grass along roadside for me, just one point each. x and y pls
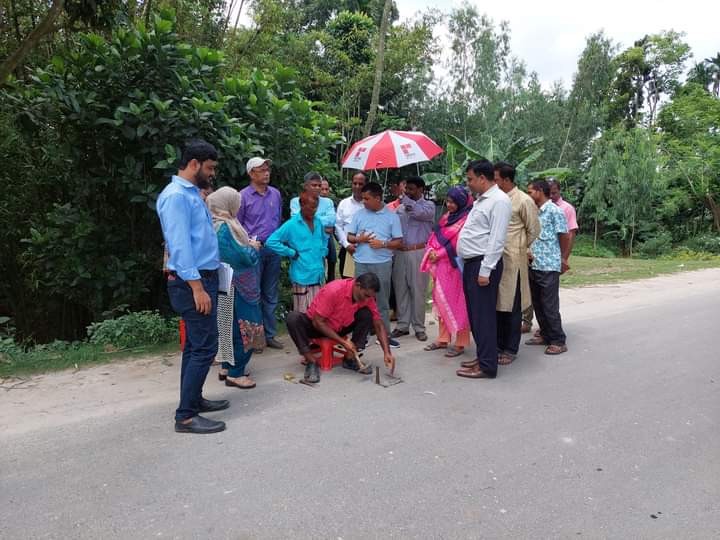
(74, 356)
(596, 271)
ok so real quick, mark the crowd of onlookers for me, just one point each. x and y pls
(494, 257)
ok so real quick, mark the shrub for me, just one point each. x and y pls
(133, 329)
(584, 248)
(654, 246)
(684, 254)
(709, 243)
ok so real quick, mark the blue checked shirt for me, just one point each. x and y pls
(546, 249)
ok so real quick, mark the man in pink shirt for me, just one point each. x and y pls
(567, 208)
(341, 307)
(572, 226)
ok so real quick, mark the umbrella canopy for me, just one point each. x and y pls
(390, 150)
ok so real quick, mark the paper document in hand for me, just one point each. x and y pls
(225, 274)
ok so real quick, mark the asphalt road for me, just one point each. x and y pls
(619, 438)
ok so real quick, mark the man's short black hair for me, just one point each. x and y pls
(374, 189)
(541, 185)
(365, 176)
(197, 149)
(312, 175)
(482, 167)
(416, 181)
(507, 171)
(368, 281)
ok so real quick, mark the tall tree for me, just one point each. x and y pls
(586, 107)
(691, 138)
(379, 66)
(646, 72)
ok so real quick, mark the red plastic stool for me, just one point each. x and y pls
(331, 353)
(182, 335)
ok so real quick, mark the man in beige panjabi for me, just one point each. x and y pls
(514, 291)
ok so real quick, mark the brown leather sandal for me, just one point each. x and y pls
(505, 359)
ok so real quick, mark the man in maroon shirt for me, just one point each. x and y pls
(341, 307)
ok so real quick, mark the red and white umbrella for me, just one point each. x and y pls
(390, 150)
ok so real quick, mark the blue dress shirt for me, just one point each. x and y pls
(187, 227)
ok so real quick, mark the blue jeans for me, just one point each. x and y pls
(201, 342)
(269, 278)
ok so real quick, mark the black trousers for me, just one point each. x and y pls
(508, 325)
(331, 259)
(301, 329)
(341, 260)
(481, 303)
(545, 290)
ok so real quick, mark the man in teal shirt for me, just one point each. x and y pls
(325, 212)
(376, 231)
(302, 238)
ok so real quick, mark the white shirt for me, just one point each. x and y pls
(345, 212)
(485, 229)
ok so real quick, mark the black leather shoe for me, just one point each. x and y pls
(200, 425)
(399, 333)
(209, 405)
(312, 373)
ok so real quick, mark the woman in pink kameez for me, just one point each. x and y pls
(441, 261)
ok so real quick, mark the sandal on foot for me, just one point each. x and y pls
(454, 351)
(536, 341)
(434, 347)
(505, 359)
(244, 382)
(555, 349)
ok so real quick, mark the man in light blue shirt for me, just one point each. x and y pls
(302, 239)
(193, 281)
(481, 243)
(376, 231)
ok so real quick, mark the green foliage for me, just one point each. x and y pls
(585, 246)
(708, 243)
(101, 130)
(656, 245)
(624, 185)
(691, 140)
(645, 73)
(133, 329)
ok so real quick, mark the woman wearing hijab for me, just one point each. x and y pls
(239, 316)
(442, 262)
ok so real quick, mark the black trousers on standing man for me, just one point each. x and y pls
(545, 290)
(509, 324)
(481, 304)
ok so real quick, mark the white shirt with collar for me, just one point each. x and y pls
(485, 229)
(345, 211)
